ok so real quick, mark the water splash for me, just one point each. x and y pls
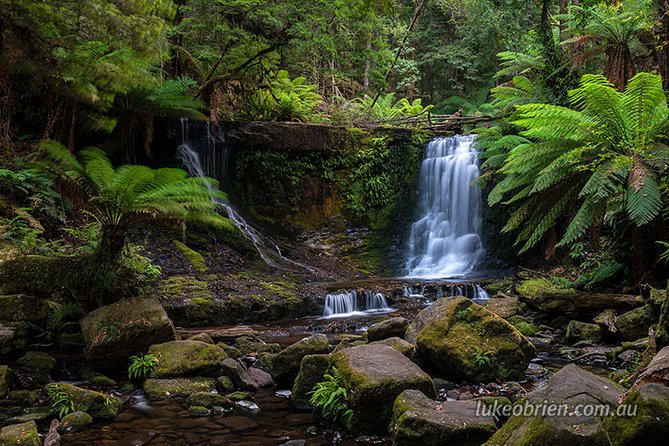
(445, 241)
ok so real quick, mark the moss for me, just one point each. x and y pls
(210, 400)
(523, 325)
(160, 389)
(24, 434)
(539, 286)
(198, 411)
(312, 369)
(41, 361)
(187, 358)
(76, 421)
(195, 258)
(96, 404)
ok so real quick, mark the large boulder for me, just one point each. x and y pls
(187, 358)
(96, 404)
(402, 346)
(390, 328)
(643, 421)
(162, 389)
(375, 375)
(583, 331)
(312, 369)
(128, 327)
(657, 371)
(19, 307)
(238, 374)
(285, 365)
(420, 421)
(40, 361)
(549, 415)
(24, 434)
(634, 324)
(466, 341)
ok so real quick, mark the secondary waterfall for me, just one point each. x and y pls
(215, 163)
(445, 240)
(348, 303)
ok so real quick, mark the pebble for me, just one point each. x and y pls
(283, 393)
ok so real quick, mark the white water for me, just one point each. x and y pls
(445, 240)
(347, 304)
(190, 159)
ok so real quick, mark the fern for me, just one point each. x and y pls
(62, 402)
(141, 366)
(331, 398)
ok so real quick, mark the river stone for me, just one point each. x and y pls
(162, 389)
(312, 369)
(231, 334)
(24, 434)
(374, 376)
(649, 423)
(125, 328)
(187, 358)
(238, 374)
(583, 331)
(5, 380)
(210, 400)
(261, 377)
(250, 345)
(634, 324)
(96, 404)
(75, 422)
(393, 327)
(402, 346)
(504, 307)
(19, 307)
(420, 421)
(41, 361)
(285, 365)
(657, 370)
(466, 341)
(202, 337)
(570, 386)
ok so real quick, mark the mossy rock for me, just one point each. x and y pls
(393, 327)
(649, 423)
(198, 411)
(26, 397)
(202, 337)
(224, 384)
(5, 380)
(247, 345)
(312, 369)
(96, 404)
(41, 361)
(238, 374)
(187, 358)
(504, 307)
(129, 327)
(162, 389)
(582, 331)
(420, 421)
(523, 325)
(466, 341)
(375, 375)
(402, 346)
(194, 258)
(210, 400)
(75, 422)
(19, 307)
(24, 434)
(285, 365)
(634, 324)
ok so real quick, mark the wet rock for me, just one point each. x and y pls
(261, 377)
(210, 400)
(5, 380)
(285, 365)
(96, 404)
(657, 371)
(128, 327)
(634, 324)
(24, 434)
(202, 337)
(420, 421)
(187, 358)
(248, 406)
(40, 361)
(161, 389)
(466, 341)
(402, 346)
(247, 345)
(504, 307)
(582, 331)
(75, 422)
(647, 422)
(19, 307)
(283, 393)
(571, 386)
(224, 384)
(231, 351)
(198, 411)
(390, 328)
(312, 369)
(238, 374)
(374, 376)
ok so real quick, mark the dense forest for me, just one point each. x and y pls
(168, 165)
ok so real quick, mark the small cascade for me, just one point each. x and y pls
(429, 293)
(347, 303)
(445, 240)
(206, 162)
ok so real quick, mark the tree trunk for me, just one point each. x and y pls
(619, 64)
(662, 45)
(110, 247)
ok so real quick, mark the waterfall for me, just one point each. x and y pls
(445, 240)
(210, 161)
(347, 303)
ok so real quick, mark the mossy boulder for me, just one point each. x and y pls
(75, 422)
(402, 346)
(582, 331)
(24, 434)
(466, 341)
(23, 308)
(162, 389)
(248, 345)
(312, 369)
(96, 404)
(568, 388)
(285, 365)
(634, 324)
(210, 400)
(420, 421)
(35, 360)
(187, 358)
(203, 337)
(523, 325)
(646, 424)
(375, 375)
(393, 327)
(504, 307)
(5, 380)
(115, 332)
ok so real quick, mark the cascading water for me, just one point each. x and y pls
(191, 159)
(347, 303)
(445, 241)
